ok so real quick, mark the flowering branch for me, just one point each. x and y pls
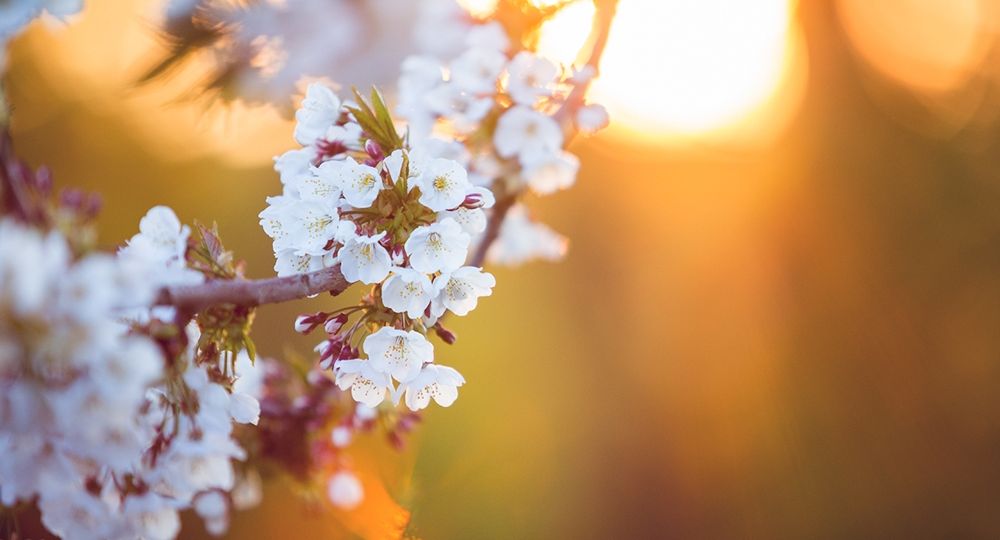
(276, 290)
(599, 32)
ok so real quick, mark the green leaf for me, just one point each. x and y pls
(376, 121)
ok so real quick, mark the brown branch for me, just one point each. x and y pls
(255, 292)
(493, 226)
(599, 31)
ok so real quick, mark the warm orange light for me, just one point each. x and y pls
(930, 45)
(683, 67)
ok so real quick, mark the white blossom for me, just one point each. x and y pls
(407, 291)
(399, 353)
(321, 185)
(289, 262)
(359, 183)
(459, 291)
(530, 77)
(592, 118)
(547, 172)
(522, 129)
(439, 247)
(367, 385)
(213, 509)
(488, 36)
(522, 239)
(477, 69)
(310, 226)
(151, 517)
(294, 164)
(465, 111)
(472, 220)
(319, 110)
(364, 259)
(443, 185)
(436, 382)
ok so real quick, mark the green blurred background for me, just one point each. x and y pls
(796, 338)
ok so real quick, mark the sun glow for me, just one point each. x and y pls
(680, 67)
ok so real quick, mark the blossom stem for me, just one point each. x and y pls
(599, 32)
(497, 217)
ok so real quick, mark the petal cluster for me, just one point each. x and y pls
(513, 102)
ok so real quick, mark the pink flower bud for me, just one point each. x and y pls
(446, 335)
(334, 324)
(305, 324)
(374, 150)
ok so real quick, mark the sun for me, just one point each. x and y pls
(683, 67)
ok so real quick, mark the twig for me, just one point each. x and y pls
(255, 292)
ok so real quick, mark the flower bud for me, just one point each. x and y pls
(305, 324)
(334, 324)
(446, 335)
(592, 118)
(374, 150)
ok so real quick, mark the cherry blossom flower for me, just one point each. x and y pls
(523, 239)
(310, 226)
(407, 291)
(547, 172)
(476, 70)
(522, 129)
(592, 118)
(443, 184)
(364, 259)
(439, 247)
(398, 353)
(319, 110)
(360, 183)
(459, 291)
(367, 385)
(530, 77)
(436, 382)
(472, 220)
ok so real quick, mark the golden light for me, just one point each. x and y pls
(682, 67)
(479, 8)
(929, 45)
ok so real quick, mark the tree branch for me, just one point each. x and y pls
(599, 31)
(254, 292)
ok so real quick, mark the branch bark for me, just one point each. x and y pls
(257, 292)
(194, 298)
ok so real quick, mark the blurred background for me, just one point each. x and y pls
(780, 312)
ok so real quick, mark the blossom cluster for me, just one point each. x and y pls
(507, 107)
(106, 430)
(401, 222)
(263, 51)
